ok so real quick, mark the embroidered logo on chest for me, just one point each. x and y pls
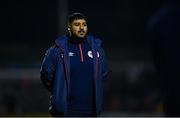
(71, 54)
(91, 55)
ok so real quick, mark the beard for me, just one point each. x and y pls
(76, 39)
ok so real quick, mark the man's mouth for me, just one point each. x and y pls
(81, 31)
(81, 34)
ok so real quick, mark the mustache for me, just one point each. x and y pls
(81, 31)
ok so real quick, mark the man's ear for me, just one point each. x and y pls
(69, 30)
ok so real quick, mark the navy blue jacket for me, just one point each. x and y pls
(55, 72)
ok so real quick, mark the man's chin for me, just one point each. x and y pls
(80, 36)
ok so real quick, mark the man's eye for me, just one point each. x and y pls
(76, 24)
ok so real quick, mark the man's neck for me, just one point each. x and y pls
(76, 40)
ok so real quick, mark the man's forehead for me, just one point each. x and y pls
(79, 20)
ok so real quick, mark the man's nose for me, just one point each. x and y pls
(81, 27)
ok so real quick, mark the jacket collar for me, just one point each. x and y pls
(63, 40)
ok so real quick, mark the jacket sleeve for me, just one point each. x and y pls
(47, 70)
(104, 65)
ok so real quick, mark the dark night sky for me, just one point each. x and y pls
(30, 26)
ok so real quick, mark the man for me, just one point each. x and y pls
(164, 27)
(73, 70)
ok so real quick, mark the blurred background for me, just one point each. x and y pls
(29, 28)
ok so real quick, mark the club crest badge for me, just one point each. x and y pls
(91, 55)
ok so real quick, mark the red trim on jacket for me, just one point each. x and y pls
(81, 53)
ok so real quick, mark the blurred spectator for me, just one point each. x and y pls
(164, 30)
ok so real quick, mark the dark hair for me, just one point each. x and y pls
(75, 16)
